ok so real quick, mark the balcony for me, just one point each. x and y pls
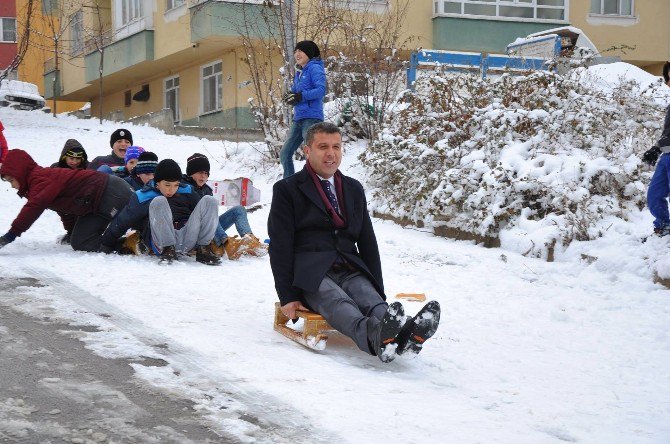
(211, 18)
(121, 54)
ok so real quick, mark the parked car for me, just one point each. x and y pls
(20, 95)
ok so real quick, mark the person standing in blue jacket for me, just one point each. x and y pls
(659, 187)
(306, 96)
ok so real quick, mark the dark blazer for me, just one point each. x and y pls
(304, 242)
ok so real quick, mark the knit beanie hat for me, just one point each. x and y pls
(196, 163)
(167, 169)
(310, 48)
(146, 163)
(120, 134)
(73, 148)
(133, 152)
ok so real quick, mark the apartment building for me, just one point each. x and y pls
(637, 31)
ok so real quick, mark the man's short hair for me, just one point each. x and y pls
(321, 127)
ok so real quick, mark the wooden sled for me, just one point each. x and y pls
(312, 336)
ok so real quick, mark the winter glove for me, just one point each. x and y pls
(292, 98)
(65, 240)
(8, 238)
(651, 156)
(106, 249)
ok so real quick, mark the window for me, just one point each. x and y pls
(171, 4)
(77, 33)
(171, 87)
(212, 84)
(130, 10)
(8, 30)
(127, 98)
(612, 7)
(522, 9)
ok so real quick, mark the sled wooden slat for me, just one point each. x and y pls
(414, 297)
(312, 335)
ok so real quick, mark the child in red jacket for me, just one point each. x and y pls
(85, 200)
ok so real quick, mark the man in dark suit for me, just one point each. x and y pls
(324, 254)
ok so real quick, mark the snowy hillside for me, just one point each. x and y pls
(527, 352)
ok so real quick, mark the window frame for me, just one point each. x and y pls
(131, 11)
(2, 30)
(602, 13)
(77, 41)
(439, 11)
(176, 112)
(173, 4)
(219, 87)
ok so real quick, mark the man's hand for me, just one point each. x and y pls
(290, 308)
(651, 155)
(292, 98)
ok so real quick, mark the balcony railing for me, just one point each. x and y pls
(49, 65)
(97, 42)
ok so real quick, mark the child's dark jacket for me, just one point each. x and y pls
(135, 215)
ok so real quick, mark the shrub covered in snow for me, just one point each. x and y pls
(542, 158)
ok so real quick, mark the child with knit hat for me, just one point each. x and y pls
(197, 174)
(120, 140)
(129, 159)
(72, 156)
(171, 217)
(306, 96)
(143, 171)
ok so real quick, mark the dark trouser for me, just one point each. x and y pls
(350, 303)
(88, 228)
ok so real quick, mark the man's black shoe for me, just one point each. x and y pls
(418, 329)
(382, 336)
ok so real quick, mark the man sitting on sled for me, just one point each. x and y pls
(324, 254)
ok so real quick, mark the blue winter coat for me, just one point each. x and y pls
(311, 82)
(135, 215)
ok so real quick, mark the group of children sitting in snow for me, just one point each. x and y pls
(128, 202)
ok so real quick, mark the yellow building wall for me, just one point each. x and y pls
(172, 29)
(648, 32)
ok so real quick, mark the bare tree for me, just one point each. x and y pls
(98, 36)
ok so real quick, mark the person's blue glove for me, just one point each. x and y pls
(8, 238)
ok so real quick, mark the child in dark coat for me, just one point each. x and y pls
(72, 156)
(144, 170)
(120, 140)
(197, 173)
(171, 216)
(85, 200)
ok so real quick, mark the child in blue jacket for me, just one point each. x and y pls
(170, 216)
(307, 93)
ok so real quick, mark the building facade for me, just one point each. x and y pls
(8, 38)
(132, 57)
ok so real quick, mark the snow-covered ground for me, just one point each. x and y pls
(527, 351)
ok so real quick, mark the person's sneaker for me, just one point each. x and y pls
(235, 247)
(204, 255)
(383, 336)
(418, 329)
(168, 254)
(217, 249)
(254, 246)
(131, 244)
